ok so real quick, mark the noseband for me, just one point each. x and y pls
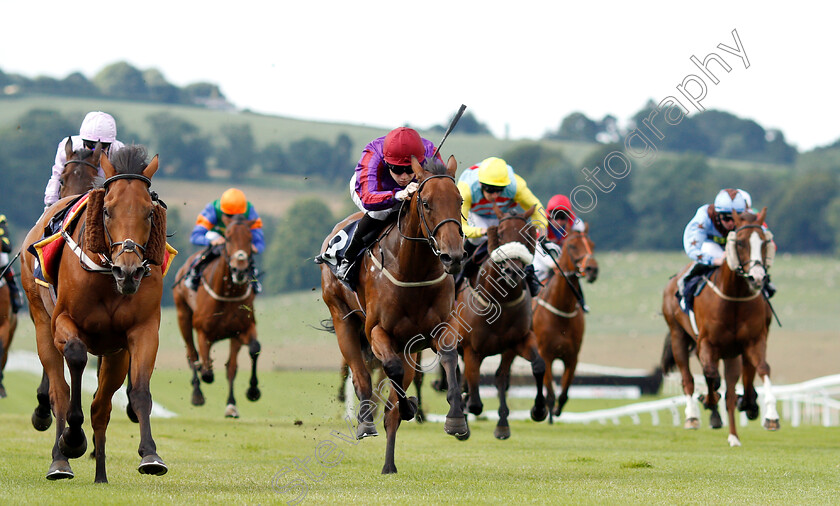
(430, 233)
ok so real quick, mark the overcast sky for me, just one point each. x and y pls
(519, 66)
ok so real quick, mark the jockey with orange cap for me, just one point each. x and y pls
(382, 181)
(493, 182)
(97, 126)
(561, 219)
(209, 231)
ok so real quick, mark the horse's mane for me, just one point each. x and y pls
(128, 160)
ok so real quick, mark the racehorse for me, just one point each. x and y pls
(559, 319)
(733, 320)
(8, 324)
(80, 169)
(403, 299)
(495, 315)
(109, 289)
(221, 308)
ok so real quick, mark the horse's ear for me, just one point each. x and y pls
(586, 228)
(492, 238)
(451, 166)
(226, 219)
(94, 225)
(107, 167)
(529, 212)
(150, 169)
(760, 218)
(68, 148)
(736, 218)
(499, 213)
(156, 247)
(418, 169)
(97, 152)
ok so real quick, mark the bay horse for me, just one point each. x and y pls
(80, 169)
(8, 324)
(733, 320)
(221, 308)
(107, 304)
(403, 300)
(498, 315)
(558, 318)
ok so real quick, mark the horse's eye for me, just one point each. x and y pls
(106, 213)
(426, 205)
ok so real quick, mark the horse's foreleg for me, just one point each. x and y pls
(42, 416)
(748, 403)
(731, 371)
(502, 430)
(185, 315)
(418, 387)
(569, 366)
(204, 356)
(72, 442)
(548, 382)
(397, 369)
(456, 423)
(143, 346)
(757, 353)
(57, 393)
(394, 410)
(528, 351)
(343, 374)
(112, 372)
(709, 359)
(4, 351)
(253, 393)
(230, 367)
(472, 375)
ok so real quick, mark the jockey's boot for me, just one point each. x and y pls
(769, 288)
(194, 274)
(531, 279)
(255, 280)
(14, 292)
(366, 228)
(687, 297)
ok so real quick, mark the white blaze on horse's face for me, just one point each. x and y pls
(757, 271)
(239, 266)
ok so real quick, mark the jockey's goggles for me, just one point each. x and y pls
(399, 169)
(559, 216)
(492, 189)
(725, 217)
(91, 145)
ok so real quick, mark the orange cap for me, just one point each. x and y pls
(233, 202)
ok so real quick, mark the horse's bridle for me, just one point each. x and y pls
(80, 162)
(740, 270)
(580, 262)
(430, 233)
(128, 245)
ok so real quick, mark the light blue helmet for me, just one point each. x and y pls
(724, 203)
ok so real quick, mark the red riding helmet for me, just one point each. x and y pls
(560, 202)
(400, 144)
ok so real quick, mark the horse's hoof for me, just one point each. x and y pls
(207, 376)
(197, 398)
(389, 469)
(366, 429)
(538, 413)
(342, 397)
(557, 411)
(457, 427)
(692, 423)
(253, 394)
(231, 411)
(412, 409)
(420, 417)
(152, 464)
(60, 470)
(2, 392)
(476, 408)
(715, 421)
(772, 424)
(752, 413)
(733, 441)
(131, 414)
(75, 449)
(41, 423)
(501, 432)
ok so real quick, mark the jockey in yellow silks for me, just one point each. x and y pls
(493, 181)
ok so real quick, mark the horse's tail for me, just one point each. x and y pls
(668, 362)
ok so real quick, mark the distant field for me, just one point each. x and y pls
(623, 329)
(466, 148)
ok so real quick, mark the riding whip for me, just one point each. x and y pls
(449, 130)
(9, 265)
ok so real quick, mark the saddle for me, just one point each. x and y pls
(47, 250)
(339, 243)
(691, 289)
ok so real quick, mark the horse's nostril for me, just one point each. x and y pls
(445, 258)
(118, 272)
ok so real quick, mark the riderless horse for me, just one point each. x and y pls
(107, 303)
(403, 299)
(732, 322)
(493, 315)
(221, 308)
(558, 316)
